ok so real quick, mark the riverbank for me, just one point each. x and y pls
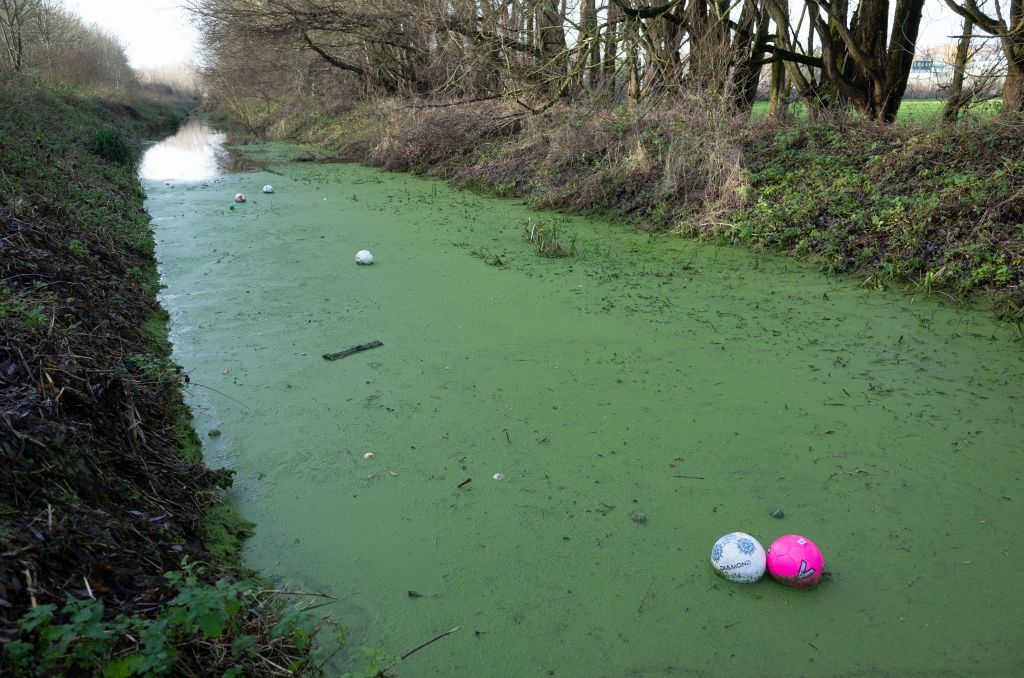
(939, 208)
(109, 521)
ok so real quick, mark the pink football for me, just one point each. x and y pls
(239, 197)
(795, 561)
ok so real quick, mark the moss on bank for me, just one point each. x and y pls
(105, 506)
(918, 203)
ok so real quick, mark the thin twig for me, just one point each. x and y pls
(416, 649)
(432, 640)
(641, 608)
(282, 592)
(210, 388)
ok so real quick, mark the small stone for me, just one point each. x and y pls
(778, 514)
(639, 517)
(369, 455)
(213, 432)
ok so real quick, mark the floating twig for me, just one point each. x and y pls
(359, 348)
(465, 482)
(691, 477)
(210, 388)
(384, 672)
(284, 592)
(644, 600)
(432, 640)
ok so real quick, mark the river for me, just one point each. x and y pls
(704, 387)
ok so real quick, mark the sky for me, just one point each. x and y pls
(154, 32)
(158, 32)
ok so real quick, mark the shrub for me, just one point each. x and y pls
(228, 615)
(111, 145)
(543, 235)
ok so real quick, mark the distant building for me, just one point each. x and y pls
(932, 69)
(929, 73)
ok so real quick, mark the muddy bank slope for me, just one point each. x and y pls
(102, 488)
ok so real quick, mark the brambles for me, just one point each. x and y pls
(226, 616)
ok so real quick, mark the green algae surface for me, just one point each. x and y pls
(702, 387)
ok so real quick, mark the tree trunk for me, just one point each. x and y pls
(611, 43)
(1013, 89)
(633, 92)
(858, 64)
(778, 90)
(591, 55)
(551, 32)
(1010, 31)
(956, 100)
(751, 36)
(905, 25)
(1013, 46)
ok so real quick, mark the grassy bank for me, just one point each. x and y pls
(917, 203)
(105, 505)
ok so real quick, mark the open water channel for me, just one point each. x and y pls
(703, 387)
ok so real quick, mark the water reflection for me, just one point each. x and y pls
(188, 156)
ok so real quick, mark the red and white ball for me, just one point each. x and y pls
(239, 197)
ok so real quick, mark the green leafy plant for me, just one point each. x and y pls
(232, 615)
(111, 145)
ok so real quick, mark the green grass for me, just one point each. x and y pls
(936, 207)
(911, 110)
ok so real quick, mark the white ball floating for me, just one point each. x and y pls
(268, 189)
(239, 197)
(739, 558)
(364, 257)
(369, 455)
(498, 476)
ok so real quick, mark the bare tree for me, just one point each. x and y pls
(1008, 26)
(16, 17)
(865, 67)
(545, 49)
(957, 97)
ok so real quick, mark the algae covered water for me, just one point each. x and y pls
(703, 388)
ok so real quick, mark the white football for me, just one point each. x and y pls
(268, 189)
(364, 257)
(738, 557)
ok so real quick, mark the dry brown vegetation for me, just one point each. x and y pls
(644, 109)
(939, 208)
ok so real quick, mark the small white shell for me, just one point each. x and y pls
(498, 476)
(268, 189)
(369, 455)
(239, 197)
(364, 257)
